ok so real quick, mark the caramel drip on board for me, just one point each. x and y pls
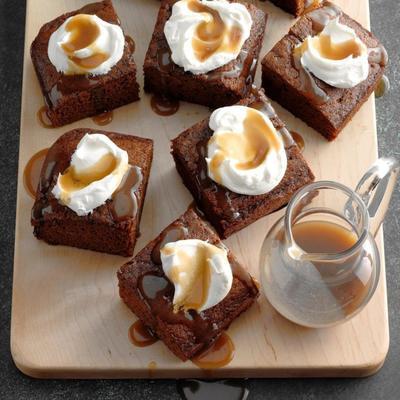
(83, 33)
(213, 36)
(224, 389)
(124, 200)
(32, 172)
(219, 354)
(140, 335)
(43, 118)
(163, 105)
(299, 140)
(104, 118)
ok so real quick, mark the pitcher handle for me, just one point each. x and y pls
(376, 188)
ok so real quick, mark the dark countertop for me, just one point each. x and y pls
(385, 17)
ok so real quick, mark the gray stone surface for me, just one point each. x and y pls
(384, 385)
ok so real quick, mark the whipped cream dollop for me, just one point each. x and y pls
(96, 170)
(245, 154)
(337, 56)
(85, 44)
(206, 34)
(200, 272)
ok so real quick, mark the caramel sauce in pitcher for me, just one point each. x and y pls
(331, 238)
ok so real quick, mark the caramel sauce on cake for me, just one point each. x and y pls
(124, 199)
(83, 33)
(140, 335)
(32, 172)
(43, 117)
(104, 118)
(299, 140)
(213, 36)
(131, 43)
(249, 149)
(310, 5)
(331, 238)
(219, 354)
(71, 180)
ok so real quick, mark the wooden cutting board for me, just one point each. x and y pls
(67, 318)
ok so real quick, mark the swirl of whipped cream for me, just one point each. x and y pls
(200, 272)
(85, 44)
(245, 154)
(96, 170)
(206, 34)
(337, 56)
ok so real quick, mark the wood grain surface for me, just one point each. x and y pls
(67, 318)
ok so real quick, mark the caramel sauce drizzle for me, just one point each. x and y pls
(163, 105)
(213, 36)
(310, 5)
(43, 117)
(83, 34)
(219, 354)
(140, 335)
(333, 51)
(124, 199)
(197, 279)
(250, 149)
(32, 172)
(72, 181)
(104, 118)
(299, 140)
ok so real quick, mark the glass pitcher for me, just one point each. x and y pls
(319, 264)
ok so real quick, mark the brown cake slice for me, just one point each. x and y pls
(296, 7)
(110, 228)
(325, 108)
(228, 211)
(72, 97)
(145, 289)
(223, 86)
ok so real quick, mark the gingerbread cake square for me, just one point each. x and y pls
(325, 108)
(223, 86)
(228, 211)
(70, 97)
(146, 290)
(112, 227)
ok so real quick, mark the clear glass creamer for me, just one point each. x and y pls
(319, 264)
